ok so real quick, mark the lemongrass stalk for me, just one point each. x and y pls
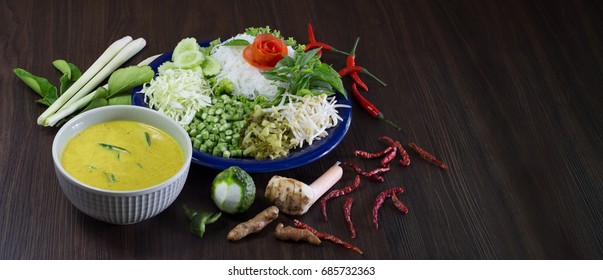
(82, 102)
(124, 55)
(97, 66)
(148, 60)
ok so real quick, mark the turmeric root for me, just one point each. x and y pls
(254, 225)
(295, 234)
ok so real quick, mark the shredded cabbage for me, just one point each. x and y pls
(178, 93)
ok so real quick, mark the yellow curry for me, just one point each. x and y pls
(122, 156)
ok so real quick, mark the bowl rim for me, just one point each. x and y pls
(106, 110)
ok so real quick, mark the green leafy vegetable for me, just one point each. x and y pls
(306, 74)
(198, 220)
(70, 73)
(236, 42)
(125, 79)
(40, 85)
(254, 31)
(117, 91)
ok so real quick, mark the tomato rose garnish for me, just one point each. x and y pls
(265, 51)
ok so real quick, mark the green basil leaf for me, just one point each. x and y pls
(236, 43)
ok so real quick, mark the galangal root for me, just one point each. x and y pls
(289, 233)
(254, 225)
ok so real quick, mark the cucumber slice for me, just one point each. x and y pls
(211, 66)
(189, 59)
(185, 45)
(165, 66)
(199, 70)
(233, 190)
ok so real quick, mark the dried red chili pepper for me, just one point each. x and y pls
(427, 156)
(370, 108)
(399, 204)
(337, 193)
(313, 44)
(362, 172)
(389, 157)
(367, 155)
(326, 236)
(379, 201)
(377, 171)
(347, 213)
(405, 161)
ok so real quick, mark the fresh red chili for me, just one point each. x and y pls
(313, 44)
(427, 156)
(358, 81)
(367, 155)
(362, 172)
(389, 157)
(347, 213)
(379, 201)
(405, 161)
(337, 193)
(326, 236)
(399, 204)
(311, 36)
(349, 70)
(369, 107)
(351, 62)
(351, 59)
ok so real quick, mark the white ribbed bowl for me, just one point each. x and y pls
(121, 207)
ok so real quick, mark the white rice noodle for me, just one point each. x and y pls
(247, 79)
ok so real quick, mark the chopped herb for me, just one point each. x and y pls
(148, 138)
(113, 148)
(139, 165)
(90, 166)
(111, 177)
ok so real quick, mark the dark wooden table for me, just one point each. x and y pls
(508, 93)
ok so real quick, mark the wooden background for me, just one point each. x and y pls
(508, 93)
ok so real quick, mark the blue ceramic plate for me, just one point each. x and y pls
(296, 157)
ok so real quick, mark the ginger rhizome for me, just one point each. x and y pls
(289, 233)
(254, 225)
